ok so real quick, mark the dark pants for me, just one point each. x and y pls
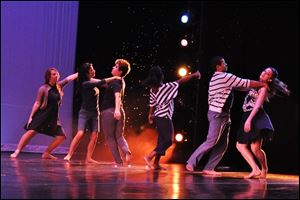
(165, 130)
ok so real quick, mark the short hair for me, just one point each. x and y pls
(124, 66)
(217, 60)
(155, 77)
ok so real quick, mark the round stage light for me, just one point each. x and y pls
(184, 19)
(179, 137)
(184, 42)
(182, 71)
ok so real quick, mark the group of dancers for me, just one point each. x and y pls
(255, 126)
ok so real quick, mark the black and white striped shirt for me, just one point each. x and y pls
(163, 99)
(220, 87)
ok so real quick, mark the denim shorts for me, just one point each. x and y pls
(88, 120)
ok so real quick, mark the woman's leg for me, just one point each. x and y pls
(23, 142)
(74, 144)
(55, 143)
(261, 157)
(91, 148)
(245, 152)
(149, 158)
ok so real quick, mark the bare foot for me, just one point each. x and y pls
(263, 174)
(67, 157)
(118, 165)
(15, 154)
(47, 155)
(92, 161)
(159, 167)
(253, 174)
(128, 157)
(211, 173)
(189, 167)
(146, 158)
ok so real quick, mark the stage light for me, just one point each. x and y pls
(184, 42)
(179, 137)
(184, 18)
(182, 71)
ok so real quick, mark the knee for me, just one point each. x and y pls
(255, 150)
(239, 146)
(79, 134)
(93, 136)
(61, 138)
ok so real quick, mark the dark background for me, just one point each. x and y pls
(249, 35)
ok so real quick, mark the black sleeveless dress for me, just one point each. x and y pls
(46, 121)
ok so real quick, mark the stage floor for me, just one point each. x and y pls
(30, 177)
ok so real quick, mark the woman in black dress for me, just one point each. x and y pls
(44, 115)
(256, 125)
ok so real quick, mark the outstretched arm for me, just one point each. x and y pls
(189, 77)
(262, 95)
(107, 80)
(68, 79)
(258, 84)
(72, 77)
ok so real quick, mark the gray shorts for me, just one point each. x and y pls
(88, 120)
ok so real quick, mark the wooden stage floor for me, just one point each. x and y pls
(30, 177)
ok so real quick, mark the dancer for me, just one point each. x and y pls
(44, 117)
(256, 125)
(89, 110)
(113, 115)
(220, 99)
(161, 111)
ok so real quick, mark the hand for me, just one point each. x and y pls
(29, 121)
(117, 78)
(117, 115)
(197, 74)
(150, 119)
(247, 126)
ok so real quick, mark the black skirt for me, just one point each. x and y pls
(261, 128)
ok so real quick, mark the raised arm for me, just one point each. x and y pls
(262, 95)
(68, 79)
(190, 77)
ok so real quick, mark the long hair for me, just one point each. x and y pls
(155, 77)
(83, 72)
(277, 87)
(47, 79)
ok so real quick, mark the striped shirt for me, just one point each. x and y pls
(220, 87)
(163, 99)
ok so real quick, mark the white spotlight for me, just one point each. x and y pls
(179, 137)
(184, 19)
(184, 42)
(182, 71)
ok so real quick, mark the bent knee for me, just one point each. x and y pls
(240, 146)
